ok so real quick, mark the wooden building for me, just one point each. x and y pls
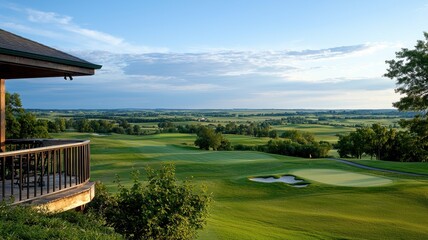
(53, 174)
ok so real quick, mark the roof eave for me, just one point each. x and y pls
(15, 67)
(49, 59)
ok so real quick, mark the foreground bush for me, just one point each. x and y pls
(161, 209)
(25, 223)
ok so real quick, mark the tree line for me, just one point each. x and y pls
(299, 144)
(22, 124)
(410, 70)
(251, 129)
(120, 126)
(291, 143)
(385, 143)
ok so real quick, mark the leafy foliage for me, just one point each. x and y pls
(410, 70)
(387, 143)
(17, 222)
(162, 209)
(300, 144)
(207, 138)
(21, 124)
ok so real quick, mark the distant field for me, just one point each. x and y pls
(249, 210)
(321, 132)
(324, 124)
(246, 140)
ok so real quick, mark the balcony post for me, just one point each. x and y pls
(2, 115)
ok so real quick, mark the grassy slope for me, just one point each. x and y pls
(416, 167)
(250, 210)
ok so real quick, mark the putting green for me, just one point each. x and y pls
(342, 178)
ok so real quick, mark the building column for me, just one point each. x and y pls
(2, 115)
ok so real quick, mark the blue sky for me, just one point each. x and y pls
(219, 54)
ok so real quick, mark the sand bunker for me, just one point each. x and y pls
(285, 179)
(342, 178)
(99, 135)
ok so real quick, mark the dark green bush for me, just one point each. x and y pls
(19, 222)
(160, 209)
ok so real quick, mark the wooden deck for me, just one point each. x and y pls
(49, 173)
(35, 189)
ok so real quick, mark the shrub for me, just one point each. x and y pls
(20, 222)
(161, 209)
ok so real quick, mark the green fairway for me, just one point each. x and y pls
(342, 178)
(415, 167)
(242, 209)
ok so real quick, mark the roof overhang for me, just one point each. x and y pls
(14, 67)
(24, 58)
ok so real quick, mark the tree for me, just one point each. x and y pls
(418, 130)
(273, 134)
(22, 124)
(167, 126)
(410, 70)
(380, 138)
(323, 149)
(207, 138)
(344, 146)
(161, 209)
(136, 129)
(225, 145)
(13, 110)
(298, 136)
(53, 127)
(27, 121)
(61, 124)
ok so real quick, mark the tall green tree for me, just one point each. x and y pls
(13, 110)
(380, 138)
(22, 124)
(410, 70)
(61, 123)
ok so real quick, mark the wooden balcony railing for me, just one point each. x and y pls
(30, 169)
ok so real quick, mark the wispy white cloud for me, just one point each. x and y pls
(64, 29)
(27, 29)
(246, 79)
(348, 62)
(336, 77)
(102, 40)
(47, 17)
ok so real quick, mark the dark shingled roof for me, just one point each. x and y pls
(14, 45)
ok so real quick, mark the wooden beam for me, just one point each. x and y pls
(2, 115)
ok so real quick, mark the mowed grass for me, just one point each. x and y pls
(243, 209)
(414, 167)
(342, 178)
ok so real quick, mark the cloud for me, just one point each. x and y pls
(231, 71)
(47, 17)
(65, 23)
(237, 63)
(30, 30)
(69, 34)
(134, 75)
